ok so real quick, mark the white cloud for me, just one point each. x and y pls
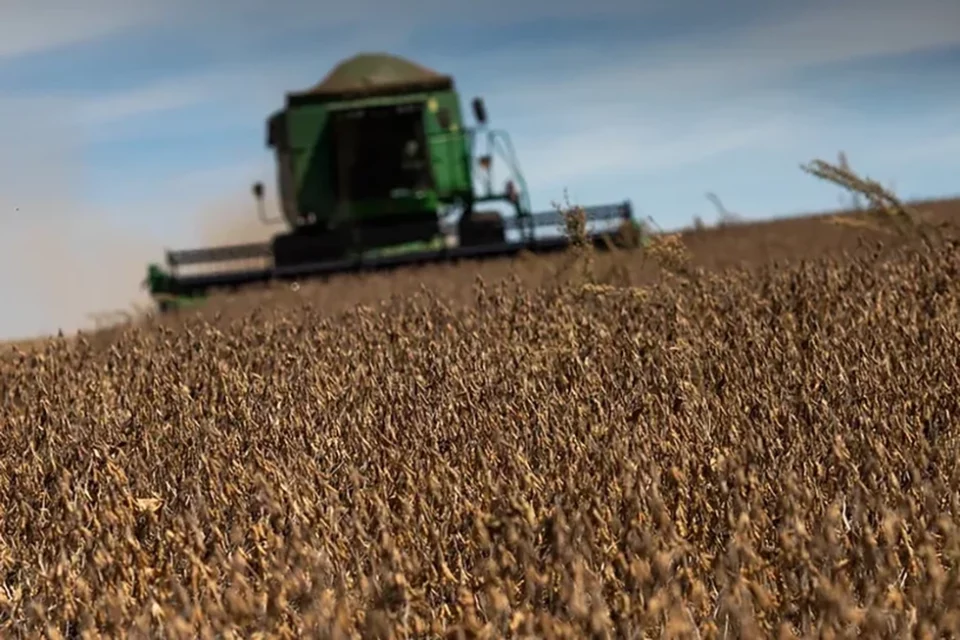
(632, 150)
(811, 33)
(758, 53)
(839, 32)
(107, 109)
(682, 73)
(31, 26)
(34, 26)
(257, 15)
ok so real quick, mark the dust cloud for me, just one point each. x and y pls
(234, 219)
(60, 258)
(65, 267)
(230, 220)
(66, 264)
(66, 274)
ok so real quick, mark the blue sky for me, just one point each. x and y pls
(134, 125)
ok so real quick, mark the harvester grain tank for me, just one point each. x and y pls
(371, 165)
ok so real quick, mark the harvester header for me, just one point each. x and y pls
(376, 168)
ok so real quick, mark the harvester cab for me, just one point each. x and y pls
(370, 164)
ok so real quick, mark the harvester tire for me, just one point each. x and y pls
(482, 228)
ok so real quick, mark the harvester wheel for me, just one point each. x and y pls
(480, 228)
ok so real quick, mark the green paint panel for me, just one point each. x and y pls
(449, 148)
(309, 145)
(310, 152)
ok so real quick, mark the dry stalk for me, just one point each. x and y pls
(412, 456)
(885, 210)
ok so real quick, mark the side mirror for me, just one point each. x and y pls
(480, 110)
(258, 190)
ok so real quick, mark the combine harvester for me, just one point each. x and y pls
(373, 164)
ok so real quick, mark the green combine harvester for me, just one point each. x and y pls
(375, 170)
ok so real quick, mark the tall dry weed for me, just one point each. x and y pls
(885, 211)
